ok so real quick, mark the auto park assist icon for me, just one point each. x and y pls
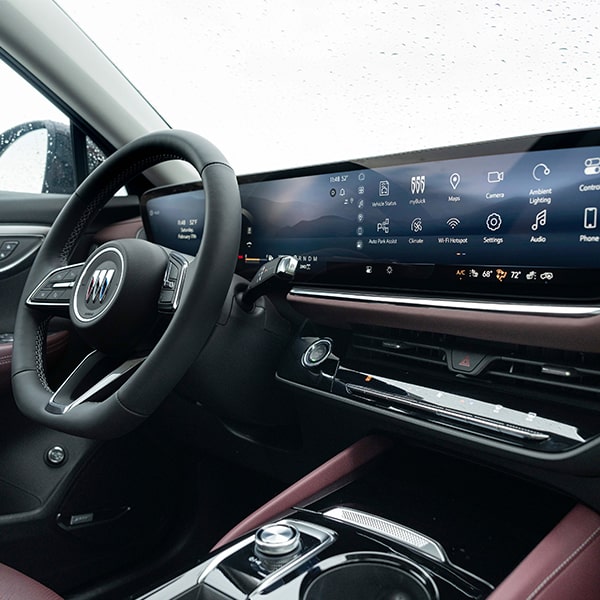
(98, 285)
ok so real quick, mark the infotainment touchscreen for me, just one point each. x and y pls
(472, 220)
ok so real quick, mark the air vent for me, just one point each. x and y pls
(510, 366)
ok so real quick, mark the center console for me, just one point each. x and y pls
(340, 554)
(408, 524)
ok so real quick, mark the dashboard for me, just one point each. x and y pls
(454, 290)
(515, 218)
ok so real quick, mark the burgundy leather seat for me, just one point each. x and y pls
(16, 586)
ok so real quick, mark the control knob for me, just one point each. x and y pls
(277, 540)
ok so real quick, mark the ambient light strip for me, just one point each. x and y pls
(530, 309)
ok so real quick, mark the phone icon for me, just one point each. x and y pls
(590, 217)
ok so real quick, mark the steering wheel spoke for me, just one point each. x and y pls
(95, 378)
(55, 291)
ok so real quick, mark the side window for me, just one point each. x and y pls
(36, 151)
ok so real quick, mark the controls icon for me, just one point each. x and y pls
(495, 176)
(590, 217)
(454, 180)
(540, 170)
(453, 222)
(540, 220)
(494, 222)
(384, 187)
(592, 166)
(417, 225)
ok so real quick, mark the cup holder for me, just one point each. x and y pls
(376, 578)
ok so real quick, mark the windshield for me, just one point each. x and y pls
(282, 83)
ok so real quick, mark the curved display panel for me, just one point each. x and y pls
(509, 218)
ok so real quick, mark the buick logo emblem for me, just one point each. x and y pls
(98, 285)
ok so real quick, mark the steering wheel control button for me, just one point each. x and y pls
(56, 456)
(56, 288)
(317, 353)
(276, 540)
(170, 291)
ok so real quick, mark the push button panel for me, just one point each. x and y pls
(57, 288)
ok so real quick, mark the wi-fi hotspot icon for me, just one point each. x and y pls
(453, 222)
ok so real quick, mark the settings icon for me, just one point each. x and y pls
(494, 222)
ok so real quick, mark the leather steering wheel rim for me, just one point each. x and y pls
(206, 286)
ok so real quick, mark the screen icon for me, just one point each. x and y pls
(453, 222)
(495, 176)
(494, 222)
(417, 225)
(383, 226)
(590, 217)
(540, 220)
(454, 180)
(540, 170)
(417, 184)
(592, 166)
(384, 187)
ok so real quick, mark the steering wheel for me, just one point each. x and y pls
(146, 311)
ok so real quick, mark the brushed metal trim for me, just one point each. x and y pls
(479, 305)
(390, 530)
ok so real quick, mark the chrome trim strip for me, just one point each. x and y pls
(390, 530)
(480, 305)
(114, 375)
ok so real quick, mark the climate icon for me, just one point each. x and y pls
(453, 222)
